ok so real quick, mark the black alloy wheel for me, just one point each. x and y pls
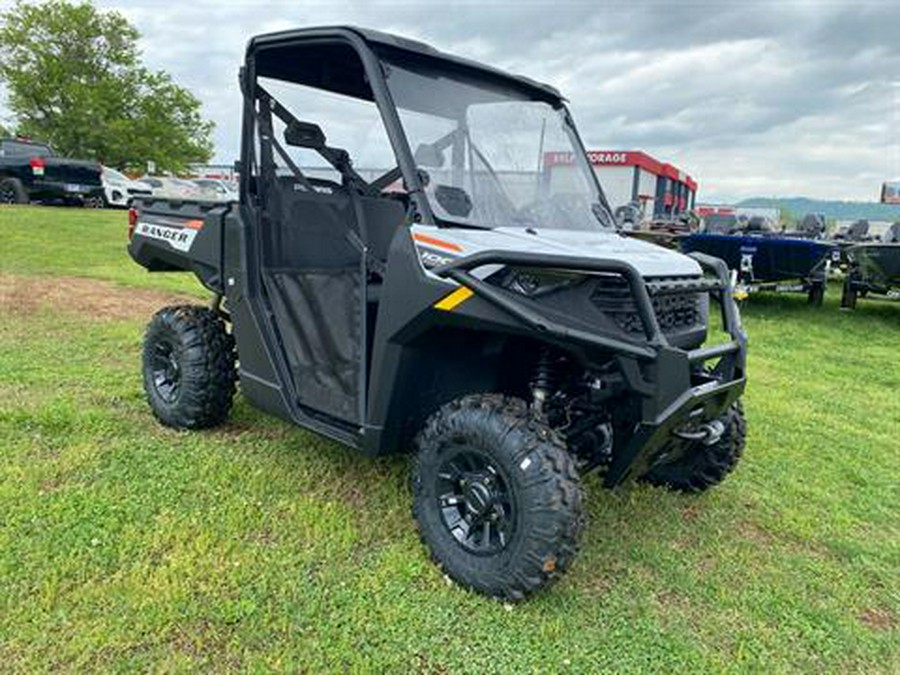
(476, 505)
(165, 370)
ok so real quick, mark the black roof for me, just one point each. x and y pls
(396, 42)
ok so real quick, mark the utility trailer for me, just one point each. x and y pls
(457, 307)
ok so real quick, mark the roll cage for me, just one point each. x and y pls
(352, 63)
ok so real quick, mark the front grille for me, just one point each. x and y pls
(674, 312)
(677, 312)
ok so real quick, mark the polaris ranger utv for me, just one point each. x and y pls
(457, 302)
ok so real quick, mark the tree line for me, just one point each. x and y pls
(75, 79)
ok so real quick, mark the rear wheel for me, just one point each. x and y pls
(12, 192)
(703, 466)
(496, 496)
(189, 367)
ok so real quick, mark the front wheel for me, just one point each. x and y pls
(496, 496)
(189, 367)
(702, 466)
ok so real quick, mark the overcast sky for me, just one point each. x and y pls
(750, 98)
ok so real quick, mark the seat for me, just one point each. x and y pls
(383, 216)
(858, 231)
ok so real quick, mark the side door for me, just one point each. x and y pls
(312, 259)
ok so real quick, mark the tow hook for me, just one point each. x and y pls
(707, 433)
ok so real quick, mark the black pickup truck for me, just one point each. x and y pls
(31, 172)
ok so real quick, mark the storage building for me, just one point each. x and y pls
(633, 176)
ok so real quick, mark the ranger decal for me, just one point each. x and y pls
(179, 238)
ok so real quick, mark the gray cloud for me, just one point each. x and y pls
(752, 98)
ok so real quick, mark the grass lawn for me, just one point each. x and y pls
(259, 546)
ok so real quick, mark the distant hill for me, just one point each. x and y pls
(797, 207)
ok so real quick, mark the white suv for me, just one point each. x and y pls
(119, 189)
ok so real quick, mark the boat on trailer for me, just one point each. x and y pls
(763, 260)
(872, 267)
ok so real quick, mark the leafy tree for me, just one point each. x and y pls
(75, 80)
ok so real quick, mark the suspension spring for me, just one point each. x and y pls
(544, 379)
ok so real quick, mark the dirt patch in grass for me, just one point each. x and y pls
(877, 618)
(51, 485)
(691, 512)
(756, 534)
(99, 300)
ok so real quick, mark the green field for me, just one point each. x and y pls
(125, 546)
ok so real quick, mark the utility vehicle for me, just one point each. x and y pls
(443, 298)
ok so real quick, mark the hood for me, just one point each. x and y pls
(649, 259)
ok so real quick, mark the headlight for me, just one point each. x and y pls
(534, 282)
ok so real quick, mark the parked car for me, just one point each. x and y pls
(119, 189)
(168, 187)
(219, 190)
(31, 171)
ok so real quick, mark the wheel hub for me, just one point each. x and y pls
(477, 495)
(475, 503)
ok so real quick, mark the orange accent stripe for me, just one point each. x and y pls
(440, 243)
(193, 224)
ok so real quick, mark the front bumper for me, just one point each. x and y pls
(652, 437)
(117, 195)
(675, 387)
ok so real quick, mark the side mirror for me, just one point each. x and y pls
(428, 155)
(304, 135)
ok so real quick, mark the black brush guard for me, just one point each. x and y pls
(676, 393)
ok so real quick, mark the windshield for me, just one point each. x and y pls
(489, 154)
